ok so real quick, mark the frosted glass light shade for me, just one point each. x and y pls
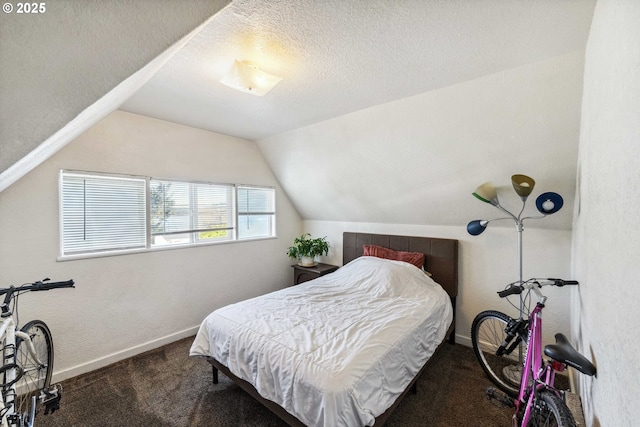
(487, 193)
(523, 185)
(245, 76)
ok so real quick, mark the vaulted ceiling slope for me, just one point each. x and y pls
(57, 63)
(417, 160)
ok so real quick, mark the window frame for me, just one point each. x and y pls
(248, 214)
(193, 239)
(149, 246)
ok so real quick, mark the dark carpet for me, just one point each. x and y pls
(166, 387)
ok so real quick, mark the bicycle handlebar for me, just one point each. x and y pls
(511, 290)
(39, 286)
(514, 289)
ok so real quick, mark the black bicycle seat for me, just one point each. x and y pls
(563, 352)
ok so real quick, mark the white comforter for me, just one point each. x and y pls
(337, 350)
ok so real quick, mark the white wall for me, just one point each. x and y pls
(606, 242)
(127, 304)
(487, 263)
(415, 160)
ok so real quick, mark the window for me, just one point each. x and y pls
(105, 213)
(256, 212)
(184, 212)
(102, 213)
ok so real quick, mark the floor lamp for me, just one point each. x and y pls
(546, 203)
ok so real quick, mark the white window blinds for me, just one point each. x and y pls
(101, 213)
(256, 212)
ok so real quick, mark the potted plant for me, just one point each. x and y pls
(305, 249)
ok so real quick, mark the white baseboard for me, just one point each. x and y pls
(121, 355)
(463, 340)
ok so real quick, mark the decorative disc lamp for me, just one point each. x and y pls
(546, 203)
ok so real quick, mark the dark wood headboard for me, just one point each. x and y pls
(441, 255)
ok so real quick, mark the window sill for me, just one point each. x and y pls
(62, 258)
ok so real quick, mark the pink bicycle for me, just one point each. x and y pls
(529, 382)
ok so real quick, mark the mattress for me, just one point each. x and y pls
(337, 350)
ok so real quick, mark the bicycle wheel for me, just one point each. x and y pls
(550, 411)
(487, 334)
(37, 376)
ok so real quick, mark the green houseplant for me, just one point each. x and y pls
(305, 249)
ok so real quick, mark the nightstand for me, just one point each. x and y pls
(302, 274)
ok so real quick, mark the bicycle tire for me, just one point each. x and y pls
(487, 334)
(36, 377)
(549, 410)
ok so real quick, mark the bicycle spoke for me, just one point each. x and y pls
(37, 372)
(487, 334)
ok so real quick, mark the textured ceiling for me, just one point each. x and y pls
(54, 65)
(340, 56)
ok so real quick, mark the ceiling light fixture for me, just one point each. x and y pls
(245, 76)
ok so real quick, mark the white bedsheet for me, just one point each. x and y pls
(337, 350)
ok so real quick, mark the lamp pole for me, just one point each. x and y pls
(519, 230)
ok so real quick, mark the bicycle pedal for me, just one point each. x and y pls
(51, 398)
(499, 397)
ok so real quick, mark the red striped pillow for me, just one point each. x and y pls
(415, 258)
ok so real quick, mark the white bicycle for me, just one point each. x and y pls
(27, 360)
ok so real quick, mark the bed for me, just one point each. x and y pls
(345, 348)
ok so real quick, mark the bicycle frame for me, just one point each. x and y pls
(543, 376)
(8, 335)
